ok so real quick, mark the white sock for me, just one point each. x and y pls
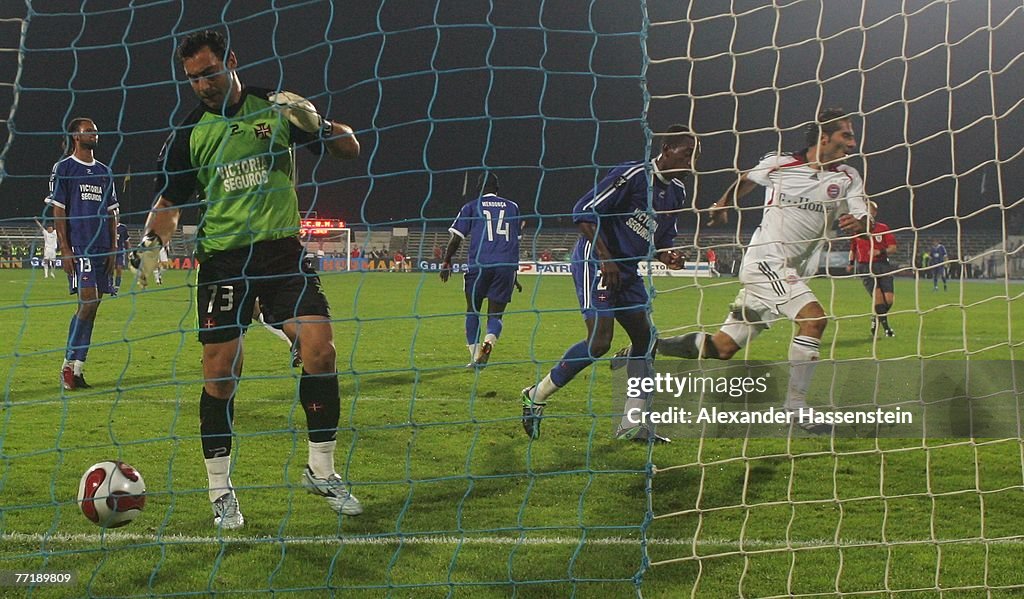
(321, 458)
(76, 366)
(217, 470)
(543, 390)
(472, 351)
(490, 338)
(638, 406)
(803, 359)
(276, 331)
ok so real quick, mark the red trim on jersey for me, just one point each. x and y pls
(862, 245)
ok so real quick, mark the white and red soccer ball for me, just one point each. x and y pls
(111, 494)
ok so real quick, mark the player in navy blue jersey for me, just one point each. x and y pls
(85, 213)
(123, 239)
(494, 227)
(629, 217)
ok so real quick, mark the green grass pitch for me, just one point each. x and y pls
(458, 501)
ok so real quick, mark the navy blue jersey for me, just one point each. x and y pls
(492, 223)
(122, 236)
(86, 193)
(619, 206)
(938, 254)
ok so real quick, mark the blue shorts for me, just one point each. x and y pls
(119, 258)
(492, 282)
(595, 300)
(91, 272)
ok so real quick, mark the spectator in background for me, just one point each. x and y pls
(938, 256)
(546, 256)
(712, 258)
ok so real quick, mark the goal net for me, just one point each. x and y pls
(457, 500)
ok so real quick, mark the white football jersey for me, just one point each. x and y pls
(49, 241)
(800, 205)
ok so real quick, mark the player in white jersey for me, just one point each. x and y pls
(805, 192)
(49, 249)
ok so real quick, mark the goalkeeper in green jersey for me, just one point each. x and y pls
(235, 151)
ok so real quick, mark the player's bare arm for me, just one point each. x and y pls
(60, 225)
(449, 253)
(340, 141)
(720, 209)
(162, 220)
(674, 259)
(112, 221)
(160, 226)
(852, 225)
(609, 269)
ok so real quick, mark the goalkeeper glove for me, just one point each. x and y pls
(145, 258)
(301, 113)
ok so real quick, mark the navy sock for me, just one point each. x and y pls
(575, 360)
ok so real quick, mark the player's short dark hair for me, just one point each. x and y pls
(73, 125)
(487, 182)
(197, 40)
(677, 134)
(827, 123)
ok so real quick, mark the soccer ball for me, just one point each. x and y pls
(111, 494)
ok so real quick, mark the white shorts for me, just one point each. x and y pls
(48, 255)
(772, 291)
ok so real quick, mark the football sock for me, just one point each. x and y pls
(633, 412)
(803, 359)
(117, 280)
(321, 458)
(320, 399)
(543, 390)
(881, 310)
(489, 338)
(217, 471)
(472, 351)
(279, 333)
(215, 418)
(76, 367)
(575, 360)
(637, 368)
(84, 339)
(472, 327)
(493, 328)
(72, 335)
(79, 337)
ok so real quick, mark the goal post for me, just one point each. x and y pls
(327, 239)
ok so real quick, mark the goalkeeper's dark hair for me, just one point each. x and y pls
(487, 182)
(68, 143)
(827, 123)
(197, 40)
(676, 135)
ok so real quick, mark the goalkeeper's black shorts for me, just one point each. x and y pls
(272, 271)
(876, 274)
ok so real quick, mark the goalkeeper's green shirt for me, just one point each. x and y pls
(240, 163)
